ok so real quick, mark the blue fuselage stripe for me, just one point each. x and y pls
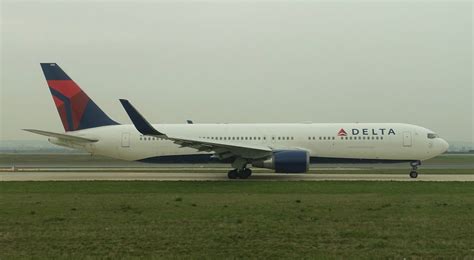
(207, 158)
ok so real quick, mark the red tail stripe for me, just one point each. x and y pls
(66, 87)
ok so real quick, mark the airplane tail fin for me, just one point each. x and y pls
(76, 110)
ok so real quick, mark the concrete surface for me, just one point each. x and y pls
(207, 176)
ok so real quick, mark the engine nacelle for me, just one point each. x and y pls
(286, 161)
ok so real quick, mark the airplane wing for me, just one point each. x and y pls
(67, 137)
(221, 150)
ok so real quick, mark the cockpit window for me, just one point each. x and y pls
(432, 136)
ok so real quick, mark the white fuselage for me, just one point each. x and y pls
(373, 141)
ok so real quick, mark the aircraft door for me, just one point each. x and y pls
(407, 139)
(125, 140)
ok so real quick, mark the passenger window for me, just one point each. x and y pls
(264, 138)
(381, 138)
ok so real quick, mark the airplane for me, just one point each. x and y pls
(284, 148)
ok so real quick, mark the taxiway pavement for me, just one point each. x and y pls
(213, 176)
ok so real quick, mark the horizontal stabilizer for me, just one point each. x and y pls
(141, 124)
(62, 136)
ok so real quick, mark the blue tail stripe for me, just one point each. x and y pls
(94, 117)
(53, 72)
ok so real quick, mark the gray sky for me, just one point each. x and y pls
(244, 61)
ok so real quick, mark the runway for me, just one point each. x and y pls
(208, 176)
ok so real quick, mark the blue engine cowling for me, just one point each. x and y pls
(286, 161)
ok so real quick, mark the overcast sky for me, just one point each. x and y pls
(244, 61)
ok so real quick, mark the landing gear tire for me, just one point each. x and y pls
(245, 173)
(232, 174)
(414, 166)
(242, 174)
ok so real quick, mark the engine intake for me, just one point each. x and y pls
(286, 161)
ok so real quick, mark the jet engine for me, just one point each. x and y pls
(286, 161)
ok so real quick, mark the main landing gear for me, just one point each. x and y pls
(239, 173)
(414, 166)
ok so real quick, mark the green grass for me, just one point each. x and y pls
(236, 219)
(451, 159)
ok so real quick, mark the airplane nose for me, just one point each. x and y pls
(444, 145)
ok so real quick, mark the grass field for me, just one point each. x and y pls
(451, 158)
(236, 219)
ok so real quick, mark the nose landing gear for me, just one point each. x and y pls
(414, 166)
(239, 173)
